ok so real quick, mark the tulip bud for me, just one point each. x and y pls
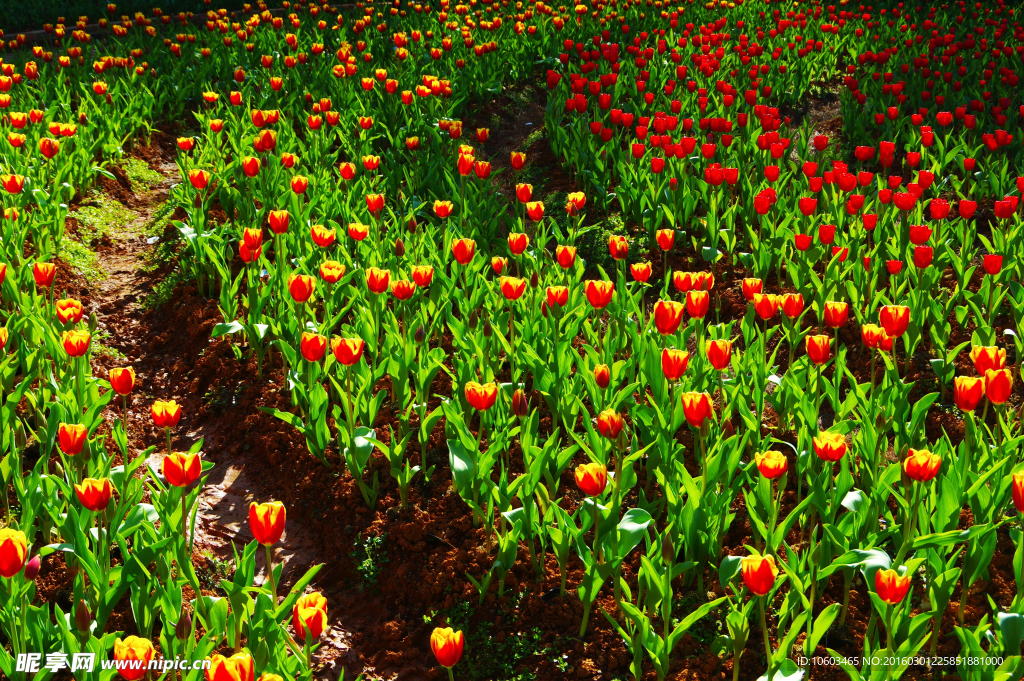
(32, 567)
(668, 551)
(411, 225)
(184, 627)
(399, 248)
(420, 335)
(473, 318)
(534, 280)
(520, 403)
(487, 328)
(93, 322)
(83, 618)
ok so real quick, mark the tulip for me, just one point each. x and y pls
(818, 349)
(300, 184)
(673, 363)
(836, 314)
(512, 288)
(894, 319)
(830, 446)
(697, 408)
(69, 311)
(890, 586)
(278, 220)
(499, 264)
(518, 160)
(967, 392)
(238, 667)
(402, 289)
(557, 296)
(535, 209)
(422, 275)
(610, 423)
(759, 574)
(720, 353)
(71, 438)
(921, 465)
(309, 616)
(766, 305)
(313, 346)
(443, 209)
(566, 256)
(666, 239)
(697, 303)
(13, 551)
(668, 315)
(301, 286)
(520, 403)
(986, 358)
(998, 385)
(267, 521)
(322, 236)
(750, 287)
(166, 414)
(640, 271)
(347, 351)
(992, 263)
(463, 250)
(446, 643)
(94, 494)
(618, 247)
(599, 293)
(331, 271)
(792, 305)
(524, 192)
(1018, 497)
(43, 273)
(602, 376)
(76, 343)
(481, 396)
(199, 178)
(377, 280)
(137, 652)
(181, 469)
(592, 478)
(872, 336)
(772, 464)
(517, 243)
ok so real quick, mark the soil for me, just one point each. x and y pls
(380, 625)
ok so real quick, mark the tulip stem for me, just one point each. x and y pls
(908, 534)
(888, 637)
(168, 429)
(270, 576)
(703, 465)
(767, 641)
(595, 555)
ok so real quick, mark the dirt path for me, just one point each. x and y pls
(164, 370)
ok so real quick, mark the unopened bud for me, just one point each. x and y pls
(83, 618)
(668, 551)
(420, 335)
(399, 248)
(487, 328)
(32, 567)
(411, 225)
(184, 627)
(473, 317)
(534, 280)
(520, 403)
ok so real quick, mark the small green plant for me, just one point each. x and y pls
(370, 558)
(214, 569)
(141, 175)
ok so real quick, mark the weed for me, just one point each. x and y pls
(502, 656)
(214, 569)
(141, 175)
(370, 559)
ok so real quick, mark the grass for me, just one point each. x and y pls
(499, 657)
(98, 218)
(141, 175)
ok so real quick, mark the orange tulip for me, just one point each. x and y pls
(592, 478)
(181, 469)
(836, 313)
(309, 616)
(894, 319)
(998, 385)
(766, 305)
(278, 220)
(137, 651)
(313, 346)
(238, 667)
(697, 408)
(872, 336)
(301, 286)
(602, 376)
(750, 287)
(498, 264)
(720, 353)
(13, 551)
(76, 342)
(759, 573)
(818, 349)
(890, 586)
(641, 271)
(199, 178)
(921, 465)
(69, 311)
(535, 209)
(666, 239)
(512, 288)
(1018, 491)
(618, 247)
(322, 236)
(697, 303)
(463, 250)
(599, 292)
(94, 493)
(772, 463)
(166, 414)
(830, 446)
(300, 184)
(985, 358)
(347, 350)
(422, 275)
(71, 438)
(251, 166)
(524, 192)
(331, 271)
(610, 423)
(481, 396)
(267, 521)
(402, 289)
(673, 363)
(518, 243)
(668, 315)
(377, 280)
(447, 644)
(792, 305)
(518, 160)
(566, 256)
(557, 295)
(968, 391)
(443, 209)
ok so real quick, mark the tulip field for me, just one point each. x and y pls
(635, 339)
